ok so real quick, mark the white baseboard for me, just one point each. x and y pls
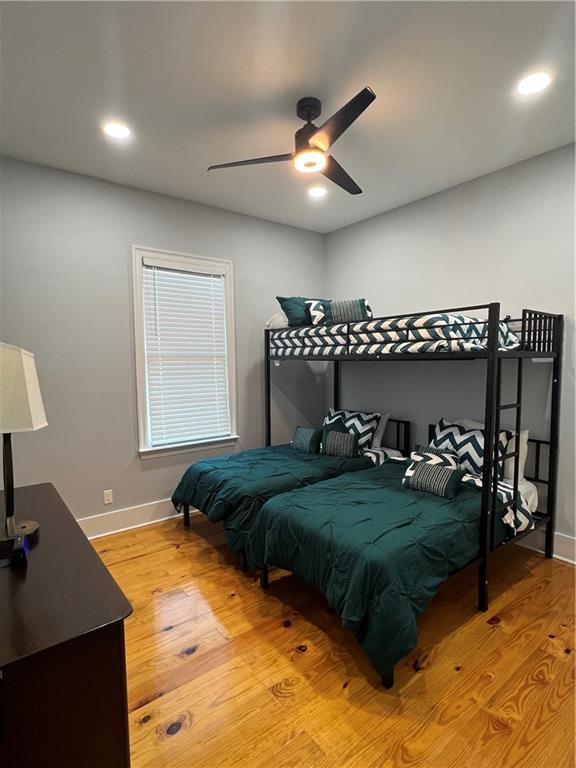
(564, 546)
(123, 519)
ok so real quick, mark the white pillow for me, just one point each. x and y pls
(508, 463)
(380, 429)
(279, 320)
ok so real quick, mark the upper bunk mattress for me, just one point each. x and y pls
(310, 341)
(440, 332)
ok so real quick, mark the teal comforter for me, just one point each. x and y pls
(234, 487)
(377, 552)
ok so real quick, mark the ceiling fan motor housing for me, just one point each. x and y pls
(308, 108)
(302, 135)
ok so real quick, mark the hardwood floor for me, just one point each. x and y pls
(222, 675)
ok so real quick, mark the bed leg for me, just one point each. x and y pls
(483, 587)
(244, 562)
(388, 679)
(186, 515)
(264, 577)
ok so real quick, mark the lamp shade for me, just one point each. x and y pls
(21, 407)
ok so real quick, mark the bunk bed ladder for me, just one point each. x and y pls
(515, 454)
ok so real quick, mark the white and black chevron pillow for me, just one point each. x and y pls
(358, 423)
(468, 444)
(433, 458)
(316, 311)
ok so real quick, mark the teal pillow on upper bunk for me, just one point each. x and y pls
(296, 310)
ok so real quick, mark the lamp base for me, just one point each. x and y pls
(28, 528)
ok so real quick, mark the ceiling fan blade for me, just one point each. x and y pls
(338, 175)
(340, 121)
(255, 161)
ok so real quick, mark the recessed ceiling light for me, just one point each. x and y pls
(116, 130)
(310, 160)
(534, 83)
(317, 192)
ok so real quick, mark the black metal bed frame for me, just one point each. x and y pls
(541, 336)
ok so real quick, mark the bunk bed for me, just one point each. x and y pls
(232, 488)
(440, 335)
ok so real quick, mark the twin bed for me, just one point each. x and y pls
(232, 489)
(376, 550)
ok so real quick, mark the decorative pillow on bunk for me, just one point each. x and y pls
(468, 444)
(295, 309)
(438, 479)
(363, 425)
(434, 459)
(316, 311)
(307, 439)
(324, 312)
(338, 441)
(510, 448)
(435, 451)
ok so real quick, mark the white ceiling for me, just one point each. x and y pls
(205, 83)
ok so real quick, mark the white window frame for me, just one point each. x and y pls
(189, 262)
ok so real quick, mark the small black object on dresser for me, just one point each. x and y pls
(62, 661)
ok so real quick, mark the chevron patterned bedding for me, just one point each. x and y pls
(310, 341)
(442, 332)
(439, 332)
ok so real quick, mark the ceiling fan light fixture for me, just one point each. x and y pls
(116, 130)
(534, 83)
(317, 192)
(310, 161)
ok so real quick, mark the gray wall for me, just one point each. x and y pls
(67, 295)
(506, 237)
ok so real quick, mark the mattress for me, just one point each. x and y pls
(440, 332)
(412, 334)
(310, 341)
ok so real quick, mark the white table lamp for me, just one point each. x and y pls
(21, 410)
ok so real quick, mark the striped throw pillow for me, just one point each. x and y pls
(347, 311)
(307, 439)
(436, 479)
(336, 443)
(427, 457)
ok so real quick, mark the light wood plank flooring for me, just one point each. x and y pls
(221, 675)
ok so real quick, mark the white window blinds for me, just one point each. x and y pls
(185, 356)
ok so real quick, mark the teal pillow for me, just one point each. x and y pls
(307, 439)
(295, 309)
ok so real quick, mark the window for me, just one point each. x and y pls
(184, 350)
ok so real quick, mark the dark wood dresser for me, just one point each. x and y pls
(62, 661)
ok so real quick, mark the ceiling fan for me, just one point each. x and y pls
(312, 143)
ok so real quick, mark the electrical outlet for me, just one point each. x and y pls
(108, 497)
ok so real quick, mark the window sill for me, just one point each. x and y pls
(172, 450)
